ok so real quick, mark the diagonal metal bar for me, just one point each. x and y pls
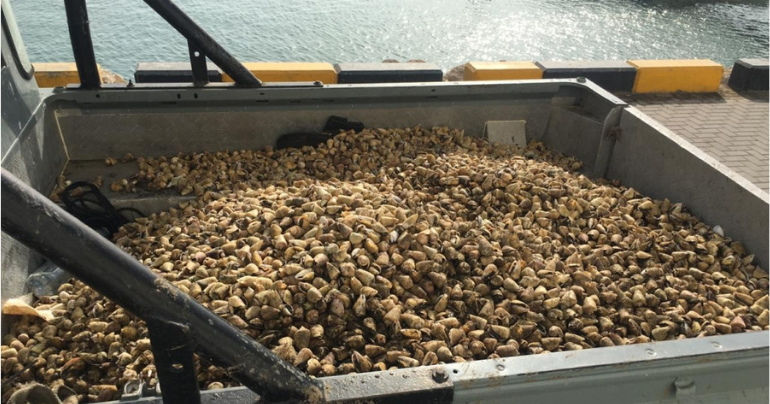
(202, 41)
(41, 225)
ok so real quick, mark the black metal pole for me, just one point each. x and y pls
(208, 46)
(82, 47)
(41, 225)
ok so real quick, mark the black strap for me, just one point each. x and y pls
(93, 208)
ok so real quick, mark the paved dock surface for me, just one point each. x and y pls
(732, 127)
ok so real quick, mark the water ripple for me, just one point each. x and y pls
(446, 32)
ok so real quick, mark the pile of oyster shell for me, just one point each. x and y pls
(399, 248)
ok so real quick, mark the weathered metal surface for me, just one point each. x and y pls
(194, 120)
(724, 368)
(413, 385)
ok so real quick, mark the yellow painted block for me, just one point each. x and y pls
(668, 76)
(290, 72)
(502, 71)
(57, 74)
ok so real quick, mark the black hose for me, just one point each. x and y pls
(91, 207)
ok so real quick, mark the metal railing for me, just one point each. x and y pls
(200, 45)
